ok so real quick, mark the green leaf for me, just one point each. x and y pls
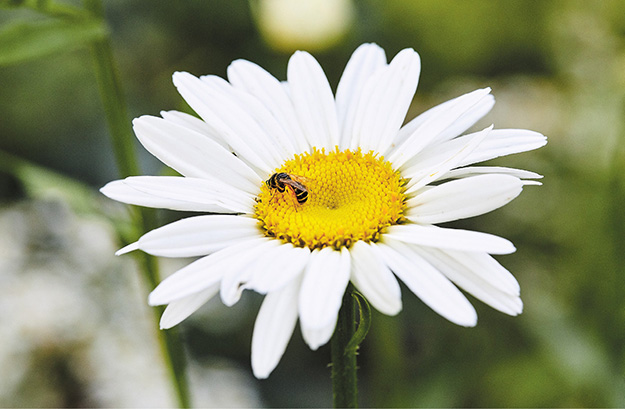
(23, 41)
(45, 184)
(41, 183)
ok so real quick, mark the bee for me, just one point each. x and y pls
(282, 181)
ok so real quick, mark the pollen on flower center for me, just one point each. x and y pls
(351, 196)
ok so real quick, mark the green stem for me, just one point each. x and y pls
(123, 146)
(344, 380)
(169, 340)
(49, 8)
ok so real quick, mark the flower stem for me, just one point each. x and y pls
(144, 219)
(344, 380)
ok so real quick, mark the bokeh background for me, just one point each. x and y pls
(75, 329)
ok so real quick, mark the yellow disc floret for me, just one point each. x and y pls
(351, 196)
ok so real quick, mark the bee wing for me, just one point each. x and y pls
(303, 181)
(300, 179)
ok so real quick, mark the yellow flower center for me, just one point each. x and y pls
(351, 196)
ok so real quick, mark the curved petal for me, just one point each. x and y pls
(498, 142)
(464, 122)
(236, 279)
(193, 154)
(180, 193)
(313, 101)
(463, 198)
(325, 280)
(273, 328)
(431, 128)
(364, 62)
(196, 236)
(432, 287)
(469, 171)
(195, 124)
(276, 268)
(384, 102)
(502, 142)
(473, 282)
(453, 239)
(204, 272)
(178, 311)
(433, 165)
(254, 80)
(487, 268)
(227, 119)
(374, 280)
(467, 120)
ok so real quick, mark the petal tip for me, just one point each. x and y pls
(154, 298)
(127, 249)
(165, 324)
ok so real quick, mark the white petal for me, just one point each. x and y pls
(433, 165)
(374, 280)
(434, 126)
(195, 124)
(501, 142)
(197, 236)
(245, 115)
(249, 77)
(325, 280)
(226, 118)
(463, 198)
(204, 272)
(496, 143)
(273, 134)
(180, 193)
(468, 119)
(273, 329)
(472, 282)
(193, 154)
(236, 279)
(316, 337)
(407, 130)
(480, 170)
(313, 100)
(428, 283)
(178, 311)
(454, 239)
(487, 268)
(127, 249)
(277, 267)
(124, 191)
(385, 101)
(364, 62)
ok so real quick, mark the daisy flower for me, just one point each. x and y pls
(306, 191)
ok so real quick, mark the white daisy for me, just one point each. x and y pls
(375, 192)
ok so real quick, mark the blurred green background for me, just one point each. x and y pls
(75, 330)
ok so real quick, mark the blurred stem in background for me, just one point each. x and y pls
(616, 186)
(144, 219)
(72, 27)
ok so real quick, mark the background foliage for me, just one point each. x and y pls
(556, 67)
